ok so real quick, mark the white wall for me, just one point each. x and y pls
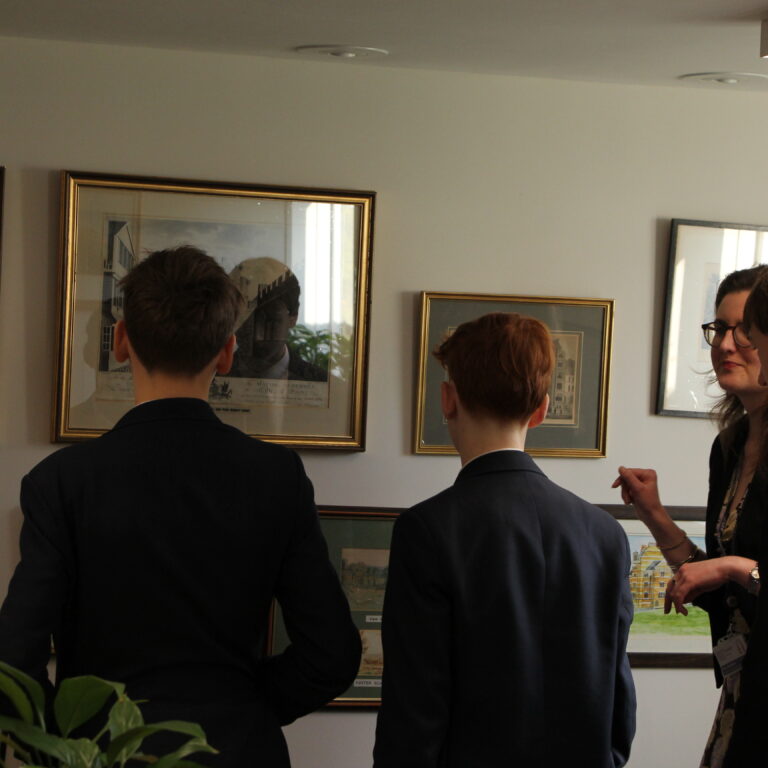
(485, 183)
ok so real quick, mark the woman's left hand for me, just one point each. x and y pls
(693, 579)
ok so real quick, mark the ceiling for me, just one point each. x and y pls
(629, 41)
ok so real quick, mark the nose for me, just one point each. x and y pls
(727, 342)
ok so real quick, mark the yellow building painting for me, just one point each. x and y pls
(648, 577)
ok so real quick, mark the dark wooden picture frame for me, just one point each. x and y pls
(701, 254)
(649, 569)
(358, 543)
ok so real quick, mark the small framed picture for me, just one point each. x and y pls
(581, 330)
(358, 543)
(657, 639)
(701, 254)
(300, 257)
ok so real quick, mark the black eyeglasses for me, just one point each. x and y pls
(714, 333)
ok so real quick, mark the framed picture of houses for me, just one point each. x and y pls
(358, 544)
(657, 639)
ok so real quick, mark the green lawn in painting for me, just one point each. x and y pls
(655, 622)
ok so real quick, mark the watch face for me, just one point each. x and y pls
(754, 581)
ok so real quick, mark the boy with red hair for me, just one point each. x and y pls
(507, 606)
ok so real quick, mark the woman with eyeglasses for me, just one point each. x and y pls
(724, 580)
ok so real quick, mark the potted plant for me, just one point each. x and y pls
(78, 700)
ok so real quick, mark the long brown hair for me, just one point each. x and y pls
(756, 316)
(728, 410)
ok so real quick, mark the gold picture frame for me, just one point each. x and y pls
(315, 242)
(582, 330)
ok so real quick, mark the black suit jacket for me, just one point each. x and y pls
(750, 736)
(750, 531)
(505, 626)
(152, 555)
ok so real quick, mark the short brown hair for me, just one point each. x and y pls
(180, 308)
(501, 364)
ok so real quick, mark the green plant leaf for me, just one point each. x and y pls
(181, 726)
(17, 696)
(21, 753)
(123, 716)
(34, 737)
(125, 745)
(173, 759)
(80, 698)
(31, 686)
(86, 752)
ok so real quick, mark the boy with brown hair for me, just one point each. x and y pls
(507, 606)
(152, 554)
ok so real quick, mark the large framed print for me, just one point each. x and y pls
(701, 254)
(581, 331)
(358, 543)
(656, 639)
(301, 258)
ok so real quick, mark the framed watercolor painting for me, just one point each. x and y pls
(358, 542)
(656, 639)
(581, 329)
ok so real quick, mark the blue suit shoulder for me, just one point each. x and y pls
(570, 505)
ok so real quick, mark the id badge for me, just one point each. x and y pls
(729, 652)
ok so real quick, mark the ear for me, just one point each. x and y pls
(448, 399)
(292, 319)
(226, 356)
(120, 343)
(539, 414)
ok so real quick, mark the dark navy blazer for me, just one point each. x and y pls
(505, 627)
(152, 555)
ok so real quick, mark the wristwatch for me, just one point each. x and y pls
(753, 584)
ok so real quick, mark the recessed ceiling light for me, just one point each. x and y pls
(725, 78)
(342, 51)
